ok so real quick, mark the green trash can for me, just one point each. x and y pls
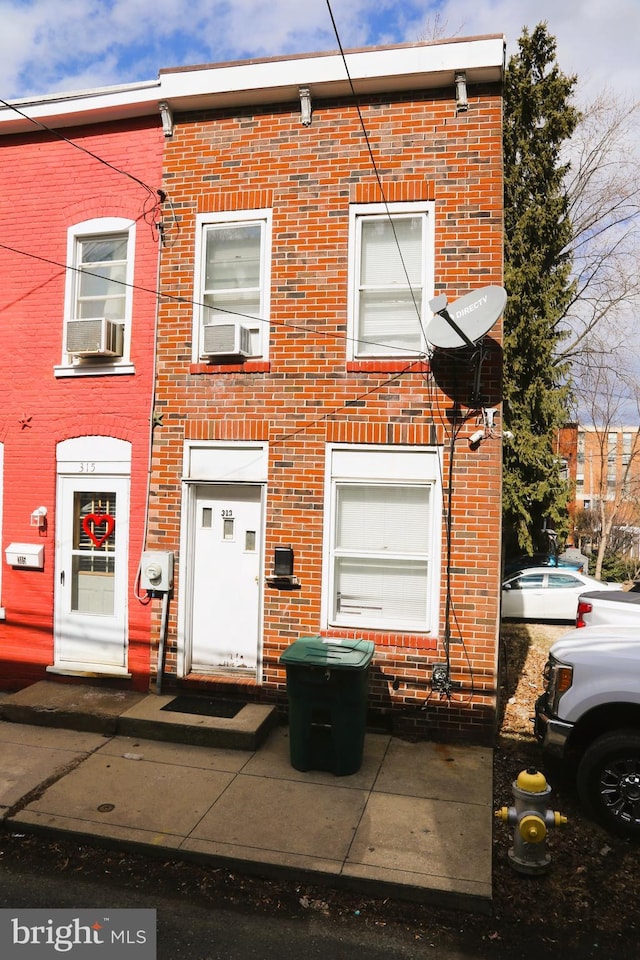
(327, 687)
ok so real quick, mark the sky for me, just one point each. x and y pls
(50, 46)
(57, 46)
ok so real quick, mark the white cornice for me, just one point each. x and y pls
(82, 107)
(374, 70)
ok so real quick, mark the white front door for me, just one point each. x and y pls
(225, 578)
(91, 574)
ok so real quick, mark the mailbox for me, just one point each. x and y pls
(25, 555)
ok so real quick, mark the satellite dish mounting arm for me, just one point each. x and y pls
(439, 306)
(479, 358)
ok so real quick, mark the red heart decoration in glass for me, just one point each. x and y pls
(98, 520)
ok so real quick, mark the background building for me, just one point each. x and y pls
(604, 465)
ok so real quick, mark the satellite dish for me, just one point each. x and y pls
(465, 322)
(470, 378)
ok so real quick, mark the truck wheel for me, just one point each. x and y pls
(609, 781)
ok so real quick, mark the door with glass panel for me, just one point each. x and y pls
(91, 574)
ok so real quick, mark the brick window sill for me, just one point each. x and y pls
(250, 366)
(388, 366)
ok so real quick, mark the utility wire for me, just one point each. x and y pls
(348, 403)
(375, 168)
(277, 440)
(448, 501)
(159, 195)
(176, 298)
(155, 195)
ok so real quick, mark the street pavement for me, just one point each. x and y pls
(414, 822)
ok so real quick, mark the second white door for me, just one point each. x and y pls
(225, 578)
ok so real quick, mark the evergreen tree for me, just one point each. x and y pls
(538, 120)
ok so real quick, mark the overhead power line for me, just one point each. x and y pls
(176, 298)
(154, 194)
(374, 166)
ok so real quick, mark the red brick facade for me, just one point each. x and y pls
(308, 394)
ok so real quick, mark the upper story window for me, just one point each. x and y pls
(102, 266)
(98, 298)
(232, 285)
(391, 279)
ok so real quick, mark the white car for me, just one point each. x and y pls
(546, 593)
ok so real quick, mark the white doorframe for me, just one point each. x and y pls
(224, 577)
(91, 566)
(215, 462)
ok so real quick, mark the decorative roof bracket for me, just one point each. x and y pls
(305, 106)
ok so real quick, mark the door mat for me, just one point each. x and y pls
(204, 706)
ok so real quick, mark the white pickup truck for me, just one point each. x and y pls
(598, 607)
(589, 718)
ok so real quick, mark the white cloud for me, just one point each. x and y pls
(47, 46)
(596, 39)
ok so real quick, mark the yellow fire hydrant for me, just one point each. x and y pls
(530, 819)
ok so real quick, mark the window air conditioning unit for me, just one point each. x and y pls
(226, 340)
(97, 337)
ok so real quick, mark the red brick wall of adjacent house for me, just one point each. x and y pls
(309, 395)
(49, 185)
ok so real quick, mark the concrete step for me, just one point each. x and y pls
(103, 710)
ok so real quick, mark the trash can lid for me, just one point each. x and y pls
(333, 653)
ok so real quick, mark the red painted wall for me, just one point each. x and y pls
(47, 186)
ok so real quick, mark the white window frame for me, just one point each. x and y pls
(358, 214)
(391, 467)
(262, 217)
(101, 226)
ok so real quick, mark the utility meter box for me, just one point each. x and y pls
(25, 555)
(156, 571)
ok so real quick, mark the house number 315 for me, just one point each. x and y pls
(87, 468)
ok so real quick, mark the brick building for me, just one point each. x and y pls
(78, 260)
(603, 463)
(312, 471)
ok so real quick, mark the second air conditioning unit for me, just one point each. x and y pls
(97, 337)
(226, 340)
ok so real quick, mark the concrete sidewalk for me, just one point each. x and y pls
(414, 822)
